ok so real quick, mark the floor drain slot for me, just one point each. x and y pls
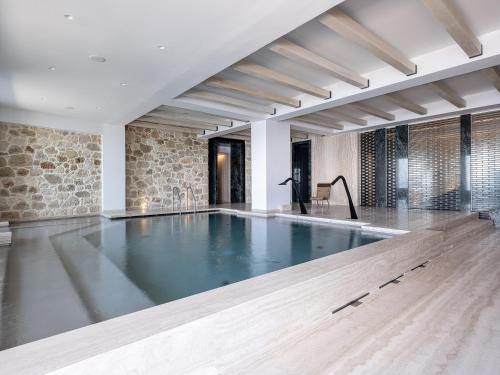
(393, 281)
(354, 303)
(423, 265)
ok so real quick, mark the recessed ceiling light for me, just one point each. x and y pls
(123, 84)
(160, 47)
(96, 58)
(70, 108)
(98, 108)
(52, 68)
(68, 16)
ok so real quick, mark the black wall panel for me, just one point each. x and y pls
(390, 144)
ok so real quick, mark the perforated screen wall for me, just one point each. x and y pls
(434, 165)
(485, 161)
(367, 154)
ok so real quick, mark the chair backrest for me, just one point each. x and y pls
(323, 190)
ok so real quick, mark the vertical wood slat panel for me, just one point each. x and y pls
(332, 156)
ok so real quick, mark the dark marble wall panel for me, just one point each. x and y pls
(401, 156)
(380, 169)
(390, 143)
(465, 151)
(237, 171)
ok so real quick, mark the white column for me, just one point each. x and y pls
(113, 167)
(271, 164)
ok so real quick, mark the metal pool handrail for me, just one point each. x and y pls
(354, 215)
(188, 188)
(178, 191)
(303, 209)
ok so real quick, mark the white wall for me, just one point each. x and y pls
(271, 164)
(113, 167)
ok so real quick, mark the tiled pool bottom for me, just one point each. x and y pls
(65, 277)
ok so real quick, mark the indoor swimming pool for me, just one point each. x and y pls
(83, 272)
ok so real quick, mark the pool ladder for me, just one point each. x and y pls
(176, 191)
(189, 188)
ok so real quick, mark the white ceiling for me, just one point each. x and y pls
(200, 39)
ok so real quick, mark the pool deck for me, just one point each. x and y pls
(424, 302)
(395, 220)
(444, 318)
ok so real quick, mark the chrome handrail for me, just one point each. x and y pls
(188, 188)
(175, 190)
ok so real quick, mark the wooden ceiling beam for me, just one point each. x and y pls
(405, 103)
(155, 125)
(187, 124)
(228, 100)
(448, 94)
(191, 117)
(297, 53)
(189, 112)
(453, 21)
(362, 107)
(344, 25)
(339, 116)
(250, 90)
(270, 75)
(493, 74)
(311, 119)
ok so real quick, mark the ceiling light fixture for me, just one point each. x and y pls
(123, 84)
(52, 68)
(96, 58)
(68, 16)
(160, 47)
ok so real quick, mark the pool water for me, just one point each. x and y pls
(90, 273)
(175, 257)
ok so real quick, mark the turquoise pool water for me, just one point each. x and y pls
(64, 277)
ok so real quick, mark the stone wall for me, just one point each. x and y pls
(48, 173)
(157, 160)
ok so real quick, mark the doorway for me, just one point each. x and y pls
(223, 174)
(301, 170)
(226, 171)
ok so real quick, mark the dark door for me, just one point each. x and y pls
(301, 169)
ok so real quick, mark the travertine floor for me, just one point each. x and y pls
(441, 319)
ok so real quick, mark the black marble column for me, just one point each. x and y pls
(465, 151)
(380, 169)
(402, 166)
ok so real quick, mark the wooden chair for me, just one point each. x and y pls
(323, 191)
